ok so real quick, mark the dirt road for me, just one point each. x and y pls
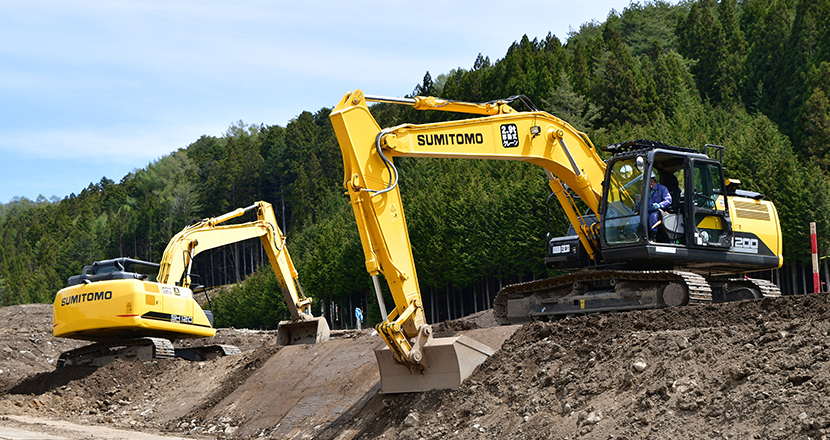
(746, 370)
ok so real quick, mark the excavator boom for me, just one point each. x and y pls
(303, 328)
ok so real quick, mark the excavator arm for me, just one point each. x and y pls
(371, 181)
(209, 233)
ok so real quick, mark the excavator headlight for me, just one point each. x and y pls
(535, 130)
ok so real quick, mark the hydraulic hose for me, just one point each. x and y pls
(393, 172)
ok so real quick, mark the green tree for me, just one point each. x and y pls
(731, 54)
(643, 23)
(710, 35)
(244, 164)
(256, 303)
(766, 25)
(565, 103)
(426, 88)
(806, 47)
(669, 78)
(620, 93)
(813, 123)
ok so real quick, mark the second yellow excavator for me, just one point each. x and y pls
(134, 309)
(629, 251)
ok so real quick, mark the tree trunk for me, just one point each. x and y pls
(447, 293)
(487, 291)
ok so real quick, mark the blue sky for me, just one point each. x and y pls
(92, 89)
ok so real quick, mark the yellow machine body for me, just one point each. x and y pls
(761, 219)
(613, 234)
(122, 309)
(122, 299)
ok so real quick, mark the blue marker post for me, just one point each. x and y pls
(358, 314)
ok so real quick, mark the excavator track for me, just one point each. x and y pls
(102, 353)
(738, 289)
(206, 353)
(599, 291)
(140, 349)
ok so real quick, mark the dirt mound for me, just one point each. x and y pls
(156, 395)
(26, 343)
(756, 369)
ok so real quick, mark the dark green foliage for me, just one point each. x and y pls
(766, 25)
(622, 95)
(813, 122)
(256, 303)
(465, 215)
(751, 74)
(567, 104)
(644, 24)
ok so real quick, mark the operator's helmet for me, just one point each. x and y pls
(653, 175)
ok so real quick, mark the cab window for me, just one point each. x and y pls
(621, 221)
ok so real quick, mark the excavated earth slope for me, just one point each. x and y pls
(748, 370)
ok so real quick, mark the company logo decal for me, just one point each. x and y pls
(86, 297)
(450, 139)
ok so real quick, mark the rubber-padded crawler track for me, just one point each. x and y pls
(699, 290)
(161, 349)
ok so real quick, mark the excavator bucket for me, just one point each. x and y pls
(447, 362)
(311, 331)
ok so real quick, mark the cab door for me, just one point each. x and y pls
(707, 206)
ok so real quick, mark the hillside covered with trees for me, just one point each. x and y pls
(752, 75)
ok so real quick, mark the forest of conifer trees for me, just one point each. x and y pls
(752, 75)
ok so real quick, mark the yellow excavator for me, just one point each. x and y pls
(624, 252)
(134, 309)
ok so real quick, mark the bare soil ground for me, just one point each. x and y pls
(748, 370)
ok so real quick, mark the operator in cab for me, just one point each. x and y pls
(658, 198)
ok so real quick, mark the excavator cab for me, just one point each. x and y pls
(633, 232)
(114, 269)
(694, 230)
(701, 220)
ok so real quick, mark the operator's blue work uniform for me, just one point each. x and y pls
(660, 196)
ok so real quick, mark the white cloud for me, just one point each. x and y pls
(129, 147)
